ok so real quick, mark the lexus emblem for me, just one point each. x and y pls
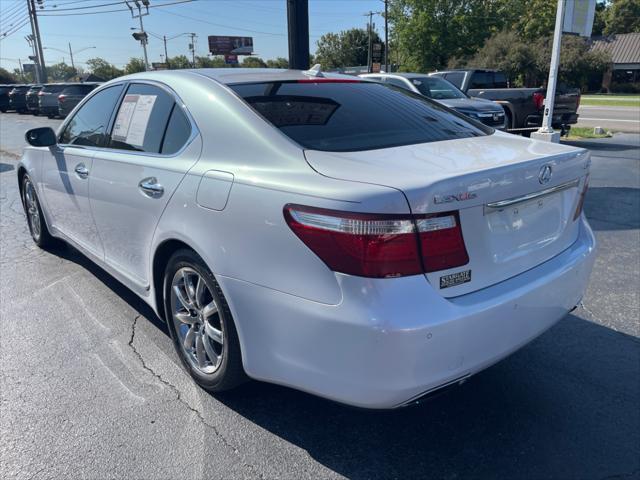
(496, 117)
(545, 174)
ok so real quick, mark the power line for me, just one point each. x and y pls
(109, 11)
(14, 8)
(13, 15)
(83, 8)
(14, 30)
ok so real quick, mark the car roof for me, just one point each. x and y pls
(229, 76)
(396, 74)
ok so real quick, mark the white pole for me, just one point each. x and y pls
(546, 130)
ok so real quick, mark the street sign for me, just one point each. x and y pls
(29, 68)
(376, 52)
(159, 65)
(231, 59)
(225, 45)
(578, 17)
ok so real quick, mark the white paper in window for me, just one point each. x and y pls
(140, 120)
(123, 120)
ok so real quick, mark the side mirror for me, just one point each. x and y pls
(41, 137)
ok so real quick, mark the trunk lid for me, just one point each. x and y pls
(512, 220)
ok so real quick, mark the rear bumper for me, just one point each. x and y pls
(560, 119)
(391, 340)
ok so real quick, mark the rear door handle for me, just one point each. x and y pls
(150, 187)
(81, 170)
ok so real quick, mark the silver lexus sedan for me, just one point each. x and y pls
(328, 233)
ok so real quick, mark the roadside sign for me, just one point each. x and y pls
(159, 65)
(375, 67)
(376, 52)
(231, 59)
(225, 45)
(578, 17)
(29, 68)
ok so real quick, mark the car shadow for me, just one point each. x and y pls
(564, 406)
(6, 167)
(613, 208)
(604, 144)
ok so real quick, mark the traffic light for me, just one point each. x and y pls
(140, 36)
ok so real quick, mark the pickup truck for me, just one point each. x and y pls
(524, 107)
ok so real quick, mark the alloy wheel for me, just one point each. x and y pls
(33, 212)
(197, 321)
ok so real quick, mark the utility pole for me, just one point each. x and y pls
(71, 55)
(192, 47)
(142, 36)
(40, 72)
(386, 36)
(369, 33)
(166, 55)
(298, 23)
(545, 132)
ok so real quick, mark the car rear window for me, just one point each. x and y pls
(351, 116)
(54, 88)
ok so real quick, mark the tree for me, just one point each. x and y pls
(103, 69)
(60, 71)
(7, 77)
(279, 62)
(213, 62)
(253, 62)
(622, 16)
(135, 65)
(348, 48)
(427, 33)
(179, 62)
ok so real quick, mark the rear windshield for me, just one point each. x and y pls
(78, 89)
(437, 88)
(352, 116)
(53, 88)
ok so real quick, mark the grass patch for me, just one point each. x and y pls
(610, 103)
(578, 133)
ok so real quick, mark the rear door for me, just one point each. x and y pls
(151, 148)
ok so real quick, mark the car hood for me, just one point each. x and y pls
(471, 104)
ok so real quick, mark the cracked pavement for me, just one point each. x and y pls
(90, 386)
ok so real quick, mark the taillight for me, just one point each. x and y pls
(538, 100)
(379, 246)
(41, 94)
(61, 98)
(583, 195)
(441, 242)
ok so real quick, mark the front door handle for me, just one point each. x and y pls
(81, 170)
(150, 187)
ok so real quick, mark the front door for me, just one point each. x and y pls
(67, 175)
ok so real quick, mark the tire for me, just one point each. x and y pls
(198, 318)
(35, 219)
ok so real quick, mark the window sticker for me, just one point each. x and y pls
(123, 120)
(133, 119)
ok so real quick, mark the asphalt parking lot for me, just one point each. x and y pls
(90, 386)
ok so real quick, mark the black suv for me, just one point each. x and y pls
(71, 96)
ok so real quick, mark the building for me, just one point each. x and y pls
(624, 74)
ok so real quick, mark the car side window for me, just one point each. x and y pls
(482, 80)
(142, 119)
(456, 78)
(88, 127)
(178, 132)
(397, 82)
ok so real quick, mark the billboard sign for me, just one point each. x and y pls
(578, 17)
(29, 68)
(225, 45)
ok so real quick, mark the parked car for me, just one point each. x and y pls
(438, 89)
(48, 98)
(71, 96)
(4, 97)
(524, 106)
(17, 99)
(323, 232)
(32, 99)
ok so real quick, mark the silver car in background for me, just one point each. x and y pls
(328, 233)
(444, 92)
